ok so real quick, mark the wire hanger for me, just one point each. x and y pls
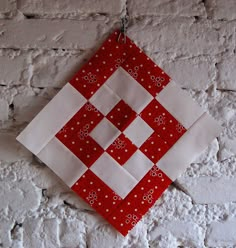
(124, 25)
(123, 29)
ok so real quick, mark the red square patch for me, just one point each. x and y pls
(121, 115)
(121, 149)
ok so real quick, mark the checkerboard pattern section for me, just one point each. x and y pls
(110, 127)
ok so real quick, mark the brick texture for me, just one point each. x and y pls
(42, 44)
(70, 6)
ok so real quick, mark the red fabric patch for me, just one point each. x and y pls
(96, 193)
(109, 57)
(81, 124)
(121, 115)
(154, 147)
(121, 149)
(146, 72)
(75, 134)
(87, 150)
(162, 122)
(149, 189)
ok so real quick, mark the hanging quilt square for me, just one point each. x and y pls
(120, 132)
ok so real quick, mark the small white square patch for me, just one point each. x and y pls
(104, 99)
(105, 133)
(138, 165)
(138, 131)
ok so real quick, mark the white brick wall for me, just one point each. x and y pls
(42, 44)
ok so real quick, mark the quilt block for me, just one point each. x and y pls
(119, 132)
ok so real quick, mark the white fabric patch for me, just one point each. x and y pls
(116, 177)
(104, 99)
(179, 104)
(127, 88)
(51, 119)
(105, 133)
(188, 147)
(62, 161)
(138, 165)
(138, 131)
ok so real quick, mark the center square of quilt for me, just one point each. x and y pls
(119, 135)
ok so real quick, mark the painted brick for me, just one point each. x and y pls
(42, 33)
(227, 73)
(4, 110)
(216, 190)
(13, 67)
(160, 7)
(191, 39)
(11, 150)
(221, 10)
(195, 73)
(70, 6)
(6, 6)
(222, 234)
(54, 69)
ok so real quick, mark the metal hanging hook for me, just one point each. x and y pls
(123, 29)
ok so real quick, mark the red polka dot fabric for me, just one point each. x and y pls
(121, 115)
(117, 132)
